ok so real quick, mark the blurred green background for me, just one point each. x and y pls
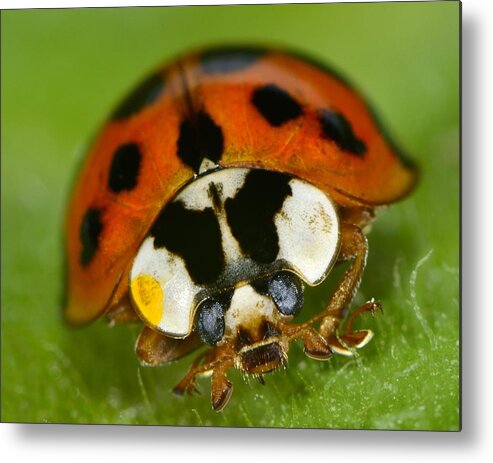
(64, 70)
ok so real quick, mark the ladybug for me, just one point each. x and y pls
(220, 187)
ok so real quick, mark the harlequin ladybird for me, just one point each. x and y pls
(222, 185)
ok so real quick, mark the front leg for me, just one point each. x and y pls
(217, 360)
(354, 245)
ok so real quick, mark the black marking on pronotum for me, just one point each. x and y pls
(144, 95)
(251, 213)
(195, 236)
(275, 104)
(337, 128)
(199, 138)
(124, 168)
(90, 231)
(215, 195)
(225, 60)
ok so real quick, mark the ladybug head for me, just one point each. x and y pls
(252, 319)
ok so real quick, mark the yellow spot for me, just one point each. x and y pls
(148, 296)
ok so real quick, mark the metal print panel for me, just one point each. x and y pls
(257, 203)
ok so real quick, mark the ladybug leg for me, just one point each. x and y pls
(362, 217)
(315, 346)
(354, 246)
(153, 348)
(221, 388)
(121, 312)
(216, 361)
(200, 366)
(359, 338)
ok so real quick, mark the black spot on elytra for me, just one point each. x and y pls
(275, 104)
(144, 95)
(199, 138)
(225, 60)
(337, 128)
(195, 237)
(90, 231)
(404, 158)
(124, 168)
(251, 213)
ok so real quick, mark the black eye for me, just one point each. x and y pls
(286, 290)
(210, 320)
